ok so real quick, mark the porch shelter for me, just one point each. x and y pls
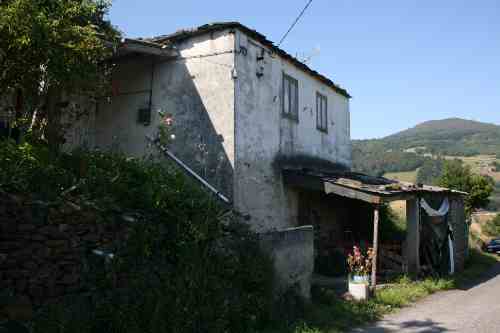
(377, 191)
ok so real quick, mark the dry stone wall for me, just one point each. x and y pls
(44, 248)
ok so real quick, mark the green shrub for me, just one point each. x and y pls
(492, 227)
(182, 269)
(406, 291)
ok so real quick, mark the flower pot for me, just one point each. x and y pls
(359, 287)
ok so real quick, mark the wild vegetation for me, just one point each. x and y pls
(492, 227)
(376, 160)
(459, 177)
(188, 266)
(50, 51)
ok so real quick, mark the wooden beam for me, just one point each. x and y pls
(412, 251)
(375, 247)
(132, 45)
(350, 193)
(399, 197)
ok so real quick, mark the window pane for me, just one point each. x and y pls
(318, 111)
(286, 99)
(292, 98)
(325, 114)
(321, 112)
(296, 99)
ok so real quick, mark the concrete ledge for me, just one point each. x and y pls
(292, 251)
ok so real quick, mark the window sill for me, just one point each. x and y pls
(290, 117)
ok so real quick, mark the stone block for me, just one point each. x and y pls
(8, 226)
(36, 291)
(17, 274)
(10, 245)
(25, 227)
(20, 309)
(60, 243)
(30, 265)
(64, 227)
(69, 208)
(48, 230)
(69, 279)
(38, 237)
(21, 285)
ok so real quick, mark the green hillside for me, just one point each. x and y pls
(408, 150)
(417, 154)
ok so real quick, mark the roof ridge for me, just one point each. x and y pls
(215, 26)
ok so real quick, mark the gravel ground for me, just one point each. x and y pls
(475, 308)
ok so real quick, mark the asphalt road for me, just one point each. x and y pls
(475, 308)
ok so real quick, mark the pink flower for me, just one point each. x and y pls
(168, 120)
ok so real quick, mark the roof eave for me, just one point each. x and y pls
(185, 34)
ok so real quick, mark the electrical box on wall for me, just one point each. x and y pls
(144, 116)
(260, 63)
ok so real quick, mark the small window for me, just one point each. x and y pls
(290, 98)
(144, 116)
(321, 112)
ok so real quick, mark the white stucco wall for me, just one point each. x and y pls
(262, 134)
(227, 120)
(197, 89)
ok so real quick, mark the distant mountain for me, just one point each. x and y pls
(450, 125)
(408, 149)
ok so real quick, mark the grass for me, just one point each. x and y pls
(477, 263)
(404, 176)
(328, 313)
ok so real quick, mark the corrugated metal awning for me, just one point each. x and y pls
(375, 190)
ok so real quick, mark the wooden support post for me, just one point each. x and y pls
(375, 247)
(412, 252)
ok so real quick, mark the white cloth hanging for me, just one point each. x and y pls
(442, 211)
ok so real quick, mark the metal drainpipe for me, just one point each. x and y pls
(188, 170)
(151, 85)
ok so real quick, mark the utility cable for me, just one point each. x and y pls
(295, 22)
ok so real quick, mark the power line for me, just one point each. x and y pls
(295, 22)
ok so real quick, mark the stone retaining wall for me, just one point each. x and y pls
(44, 248)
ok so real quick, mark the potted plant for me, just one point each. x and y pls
(359, 271)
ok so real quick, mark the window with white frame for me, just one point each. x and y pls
(290, 97)
(321, 112)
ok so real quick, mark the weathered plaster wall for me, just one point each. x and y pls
(292, 253)
(197, 90)
(262, 134)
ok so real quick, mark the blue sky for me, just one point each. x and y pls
(404, 62)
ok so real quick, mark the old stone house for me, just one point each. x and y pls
(267, 131)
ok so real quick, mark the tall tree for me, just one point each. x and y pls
(459, 177)
(51, 50)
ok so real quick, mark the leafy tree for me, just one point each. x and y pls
(51, 50)
(430, 171)
(459, 177)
